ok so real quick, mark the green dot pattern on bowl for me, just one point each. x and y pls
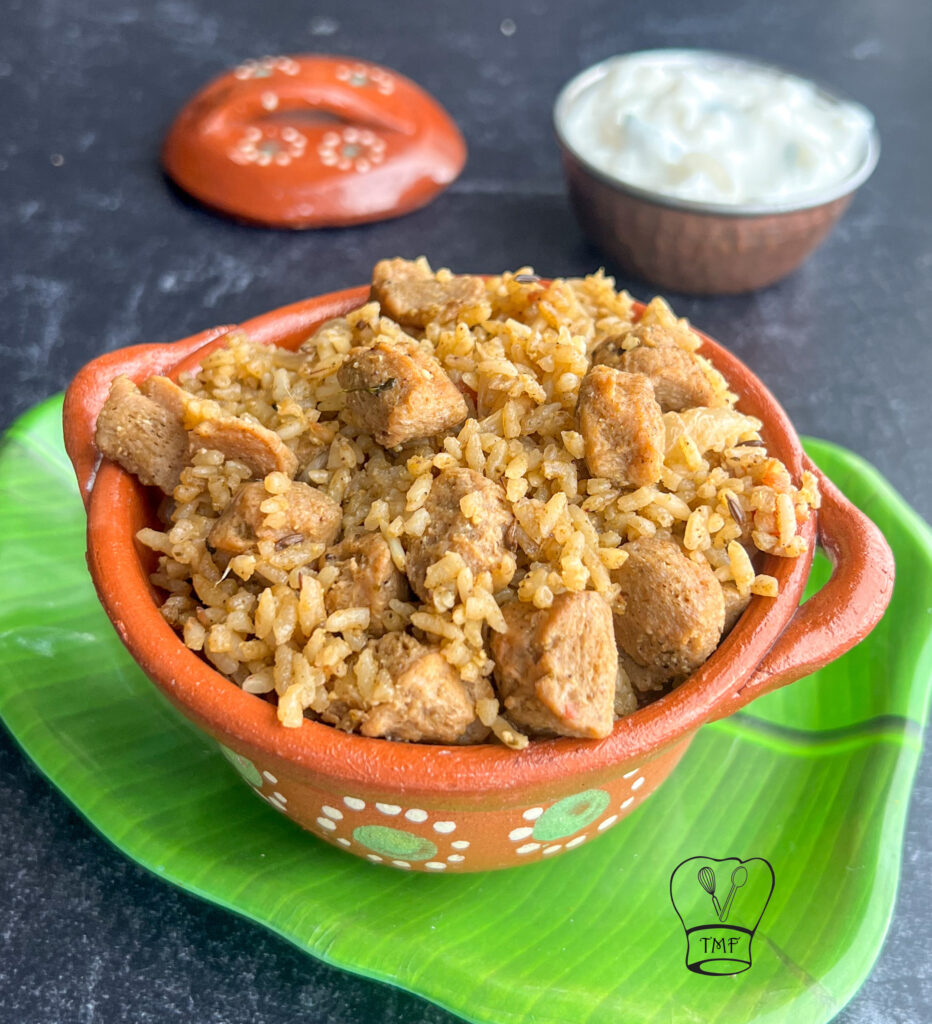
(243, 765)
(394, 842)
(570, 814)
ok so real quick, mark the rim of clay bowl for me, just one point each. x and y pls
(118, 507)
(804, 201)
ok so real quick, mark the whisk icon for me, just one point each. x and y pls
(707, 881)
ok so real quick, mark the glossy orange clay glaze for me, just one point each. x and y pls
(452, 809)
(313, 141)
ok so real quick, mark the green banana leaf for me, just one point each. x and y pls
(815, 779)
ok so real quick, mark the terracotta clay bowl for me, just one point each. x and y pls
(697, 247)
(452, 809)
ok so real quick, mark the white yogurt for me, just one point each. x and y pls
(709, 128)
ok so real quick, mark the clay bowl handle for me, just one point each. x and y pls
(89, 389)
(842, 613)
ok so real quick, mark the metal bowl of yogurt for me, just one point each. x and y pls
(707, 172)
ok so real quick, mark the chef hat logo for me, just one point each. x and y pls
(720, 904)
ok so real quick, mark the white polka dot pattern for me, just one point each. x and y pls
(529, 834)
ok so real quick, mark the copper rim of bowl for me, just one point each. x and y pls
(435, 771)
(816, 197)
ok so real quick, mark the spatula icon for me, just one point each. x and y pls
(738, 877)
(707, 881)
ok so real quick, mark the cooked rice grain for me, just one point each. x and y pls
(261, 617)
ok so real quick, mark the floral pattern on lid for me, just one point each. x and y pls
(269, 145)
(362, 75)
(265, 67)
(352, 149)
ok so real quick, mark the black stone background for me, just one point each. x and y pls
(98, 253)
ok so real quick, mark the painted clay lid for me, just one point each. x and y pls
(313, 141)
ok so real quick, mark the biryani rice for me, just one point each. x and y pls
(261, 618)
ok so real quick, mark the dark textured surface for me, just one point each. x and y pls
(98, 253)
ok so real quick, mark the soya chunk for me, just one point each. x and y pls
(556, 668)
(734, 605)
(399, 393)
(610, 351)
(622, 426)
(144, 436)
(250, 443)
(641, 679)
(479, 538)
(674, 609)
(626, 697)
(429, 702)
(241, 439)
(411, 294)
(657, 327)
(167, 394)
(677, 376)
(309, 513)
(368, 578)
